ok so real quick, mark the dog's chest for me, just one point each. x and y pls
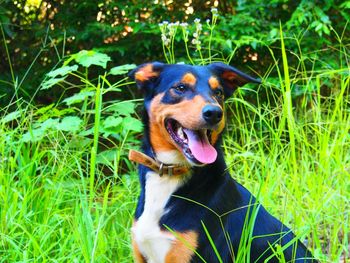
(152, 242)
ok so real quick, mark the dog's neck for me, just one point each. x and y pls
(160, 168)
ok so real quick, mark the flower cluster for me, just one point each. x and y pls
(215, 14)
(195, 41)
(168, 31)
(185, 31)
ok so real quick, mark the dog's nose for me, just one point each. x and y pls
(212, 114)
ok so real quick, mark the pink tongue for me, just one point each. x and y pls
(200, 147)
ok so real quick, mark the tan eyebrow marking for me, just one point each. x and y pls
(213, 83)
(189, 79)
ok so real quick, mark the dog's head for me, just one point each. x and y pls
(185, 106)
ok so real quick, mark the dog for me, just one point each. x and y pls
(190, 209)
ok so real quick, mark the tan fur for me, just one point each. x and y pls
(182, 249)
(188, 113)
(145, 73)
(215, 134)
(189, 79)
(213, 83)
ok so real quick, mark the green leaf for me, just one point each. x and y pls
(124, 108)
(48, 124)
(87, 132)
(132, 124)
(11, 116)
(254, 44)
(273, 33)
(43, 110)
(33, 135)
(112, 122)
(70, 123)
(345, 5)
(315, 24)
(121, 70)
(326, 30)
(79, 142)
(51, 82)
(228, 44)
(106, 157)
(78, 97)
(87, 58)
(63, 71)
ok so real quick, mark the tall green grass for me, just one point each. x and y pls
(46, 211)
(297, 155)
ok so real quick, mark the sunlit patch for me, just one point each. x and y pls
(189, 79)
(213, 83)
(145, 73)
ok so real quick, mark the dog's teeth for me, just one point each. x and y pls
(180, 133)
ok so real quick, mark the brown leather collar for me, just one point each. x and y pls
(158, 167)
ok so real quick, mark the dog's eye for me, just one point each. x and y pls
(180, 88)
(218, 92)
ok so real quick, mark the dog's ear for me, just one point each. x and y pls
(230, 77)
(146, 75)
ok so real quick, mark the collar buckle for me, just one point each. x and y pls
(170, 169)
(160, 172)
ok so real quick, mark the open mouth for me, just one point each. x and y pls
(194, 144)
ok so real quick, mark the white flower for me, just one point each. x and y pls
(166, 42)
(184, 25)
(164, 38)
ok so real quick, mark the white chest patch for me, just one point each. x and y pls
(153, 243)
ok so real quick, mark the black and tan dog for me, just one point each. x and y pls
(190, 209)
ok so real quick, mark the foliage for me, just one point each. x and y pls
(75, 114)
(65, 165)
(46, 31)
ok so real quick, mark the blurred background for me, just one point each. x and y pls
(39, 34)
